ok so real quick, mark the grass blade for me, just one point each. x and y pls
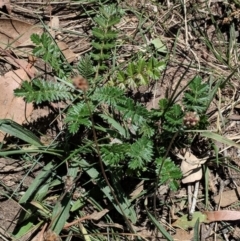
(95, 175)
(217, 137)
(196, 231)
(14, 129)
(46, 171)
(160, 227)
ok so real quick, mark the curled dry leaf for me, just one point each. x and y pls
(227, 197)
(191, 173)
(98, 215)
(191, 167)
(137, 190)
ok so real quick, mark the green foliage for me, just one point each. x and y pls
(196, 98)
(173, 119)
(85, 67)
(78, 115)
(140, 153)
(48, 50)
(120, 117)
(140, 73)
(39, 91)
(104, 123)
(134, 112)
(109, 95)
(169, 172)
(104, 35)
(114, 154)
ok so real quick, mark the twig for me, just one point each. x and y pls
(194, 199)
(185, 23)
(189, 192)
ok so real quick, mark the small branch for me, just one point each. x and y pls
(194, 199)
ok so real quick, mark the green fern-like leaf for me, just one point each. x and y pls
(139, 73)
(155, 68)
(85, 67)
(135, 112)
(146, 130)
(48, 50)
(196, 98)
(173, 119)
(104, 35)
(78, 115)
(163, 105)
(114, 154)
(140, 153)
(109, 95)
(169, 172)
(39, 91)
(100, 34)
(36, 38)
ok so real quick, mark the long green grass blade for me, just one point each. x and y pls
(14, 129)
(35, 150)
(61, 210)
(196, 231)
(61, 214)
(46, 171)
(217, 137)
(122, 131)
(95, 175)
(160, 227)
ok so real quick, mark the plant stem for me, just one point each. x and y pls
(159, 172)
(103, 170)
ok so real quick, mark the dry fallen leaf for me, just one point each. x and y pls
(227, 197)
(93, 216)
(137, 190)
(222, 215)
(68, 53)
(12, 107)
(191, 172)
(182, 235)
(191, 167)
(15, 33)
(54, 25)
